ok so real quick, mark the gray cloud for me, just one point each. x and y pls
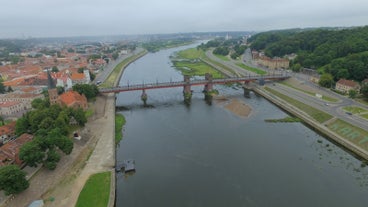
(42, 18)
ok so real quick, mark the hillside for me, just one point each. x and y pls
(340, 52)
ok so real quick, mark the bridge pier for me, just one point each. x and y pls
(208, 89)
(187, 92)
(144, 97)
(247, 88)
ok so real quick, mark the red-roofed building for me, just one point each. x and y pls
(345, 86)
(7, 132)
(9, 153)
(73, 99)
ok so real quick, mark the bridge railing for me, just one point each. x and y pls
(192, 82)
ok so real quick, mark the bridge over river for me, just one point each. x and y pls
(208, 83)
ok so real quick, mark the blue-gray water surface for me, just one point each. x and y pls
(204, 155)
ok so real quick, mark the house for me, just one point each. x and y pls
(24, 98)
(73, 99)
(9, 153)
(10, 108)
(345, 86)
(7, 132)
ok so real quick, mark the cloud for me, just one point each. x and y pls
(91, 17)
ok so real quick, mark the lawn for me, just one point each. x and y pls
(196, 68)
(251, 69)
(316, 114)
(191, 54)
(350, 132)
(224, 58)
(119, 123)
(96, 191)
(354, 109)
(364, 116)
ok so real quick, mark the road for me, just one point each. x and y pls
(335, 109)
(104, 74)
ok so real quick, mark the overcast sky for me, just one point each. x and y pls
(59, 18)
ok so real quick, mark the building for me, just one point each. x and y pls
(7, 132)
(9, 152)
(10, 108)
(73, 99)
(24, 98)
(272, 63)
(345, 86)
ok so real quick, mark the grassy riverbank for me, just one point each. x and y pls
(316, 114)
(96, 191)
(114, 75)
(119, 123)
(189, 63)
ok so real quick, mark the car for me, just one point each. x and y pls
(349, 113)
(327, 104)
(98, 82)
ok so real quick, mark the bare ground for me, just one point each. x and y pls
(235, 106)
(92, 154)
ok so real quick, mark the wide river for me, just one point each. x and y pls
(204, 155)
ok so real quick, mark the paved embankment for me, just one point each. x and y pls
(311, 122)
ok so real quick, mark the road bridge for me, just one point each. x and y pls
(208, 83)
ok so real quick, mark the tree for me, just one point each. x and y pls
(12, 180)
(2, 121)
(326, 80)
(52, 159)
(22, 125)
(81, 70)
(2, 87)
(55, 69)
(352, 94)
(364, 91)
(10, 89)
(31, 153)
(115, 55)
(39, 103)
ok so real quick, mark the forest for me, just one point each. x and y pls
(342, 52)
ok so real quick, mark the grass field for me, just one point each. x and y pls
(224, 58)
(354, 109)
(316, 114)
(251, 69)
(352, 133)
(326, 98)
(197, 68)
(96, 191)
(191, 54)
(119, 123)
(364, 116)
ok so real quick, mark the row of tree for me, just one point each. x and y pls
(223, 47)
(336, 51)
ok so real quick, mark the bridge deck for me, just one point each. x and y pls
(156, 85)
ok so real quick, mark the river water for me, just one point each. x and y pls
(203, 155)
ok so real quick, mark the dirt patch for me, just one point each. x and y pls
(235, 106)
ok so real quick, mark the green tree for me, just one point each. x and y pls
(31, 153)
(22, 125)
(12, 180)
(352, 94)
(39, 103)
(81, 70)
(52, 159)
(55, 69)
(115, 55)
(364, 91)
(2, 87)
(326, 80)
(2, 121)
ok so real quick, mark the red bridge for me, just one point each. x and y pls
(208, 82)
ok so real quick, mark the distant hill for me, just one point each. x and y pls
(343, 52)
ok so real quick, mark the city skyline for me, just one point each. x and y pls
(40, 18)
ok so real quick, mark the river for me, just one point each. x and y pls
(203, 155)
